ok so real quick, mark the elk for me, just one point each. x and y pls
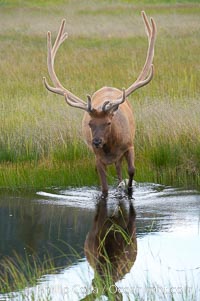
(108, 124)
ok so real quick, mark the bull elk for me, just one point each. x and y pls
(108, 123)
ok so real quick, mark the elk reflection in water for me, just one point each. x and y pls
(111, 246)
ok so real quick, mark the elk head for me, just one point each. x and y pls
(100, 121)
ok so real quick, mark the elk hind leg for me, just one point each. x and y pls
(129, 155)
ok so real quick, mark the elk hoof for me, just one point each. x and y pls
(123, 184)
(104, 194)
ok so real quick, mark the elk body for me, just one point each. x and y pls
(108, 123)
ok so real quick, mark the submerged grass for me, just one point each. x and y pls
(40, 136)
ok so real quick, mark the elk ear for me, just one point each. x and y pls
(114, 110)
(110, 108)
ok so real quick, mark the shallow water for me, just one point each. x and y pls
(57, 222)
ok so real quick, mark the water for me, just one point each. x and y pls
(164, 258)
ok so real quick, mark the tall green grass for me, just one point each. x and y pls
(40, 136)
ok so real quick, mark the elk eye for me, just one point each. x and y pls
(109, 123)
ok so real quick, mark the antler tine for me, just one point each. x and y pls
(146, 22)
(144, 82)
(86, 107)
(147, 71)
(51, 52)
(60, 37)
(52, 89)
(121, 99)
(151, 33)
(89, 104)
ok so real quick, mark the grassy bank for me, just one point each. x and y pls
(40, 136)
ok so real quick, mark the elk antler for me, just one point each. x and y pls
(146, 74)
(59, 89)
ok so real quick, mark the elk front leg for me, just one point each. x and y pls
(129, 155)
(118, 166)
(101, 168)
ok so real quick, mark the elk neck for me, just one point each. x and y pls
(111, 142)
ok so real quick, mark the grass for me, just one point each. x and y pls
(16, 273)
(40, 136)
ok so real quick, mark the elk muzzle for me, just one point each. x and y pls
(97, 142)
